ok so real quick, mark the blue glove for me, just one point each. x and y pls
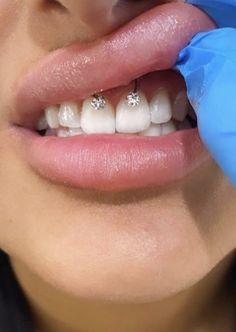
(223, 12)
(208, 65)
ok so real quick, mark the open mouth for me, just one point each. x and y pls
(112, 115)
(153, 105)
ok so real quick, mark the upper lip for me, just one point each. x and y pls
(149, 42)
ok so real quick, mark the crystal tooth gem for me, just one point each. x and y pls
(133, 99)
(98, 102)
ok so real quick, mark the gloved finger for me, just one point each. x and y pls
(222, 12)
(208, 65)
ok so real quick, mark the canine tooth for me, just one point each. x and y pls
(152, 130)
(51, 114)
(42, 123)
(180, 106)
(132, 119)
(69, 115)
(160, 107)
(97, 121)
(184, 125)
(168, 128)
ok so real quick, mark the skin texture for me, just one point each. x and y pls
(112, 257)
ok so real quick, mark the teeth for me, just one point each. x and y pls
(42, 123)
(64, 132)
(153, 130)
(160, 107)
(51, 114)
(180, 107)
(132, 119)
(168, 128)
(69, 115)
(137, 117)
(97, 121)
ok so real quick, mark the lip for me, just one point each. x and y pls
(149, 43)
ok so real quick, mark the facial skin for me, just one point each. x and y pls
(73, 249)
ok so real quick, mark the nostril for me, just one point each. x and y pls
(53, 4)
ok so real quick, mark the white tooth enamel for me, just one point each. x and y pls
(75, 132)
(69, 115)
(95, 121)
(180, 106)
(168, 128)
(160, 107)
(69, 132)
(62, 132)
(184, 125)
(42, 123)
(131, 119)
(152, 130)
(51, 114)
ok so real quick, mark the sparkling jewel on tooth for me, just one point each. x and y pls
(98, 102)
(133, 99)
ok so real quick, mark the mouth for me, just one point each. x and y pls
(112, 115)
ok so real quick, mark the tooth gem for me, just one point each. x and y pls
(98, 102)
(133, 99)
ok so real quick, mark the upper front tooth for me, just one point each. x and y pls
(51, 114)
(97, 121)
(180, 107)
(160, 107)
(69, 115)
(132, 119)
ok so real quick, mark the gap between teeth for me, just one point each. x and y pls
(153, 118)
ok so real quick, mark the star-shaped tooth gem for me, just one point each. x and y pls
(98, 102)
(133, 99)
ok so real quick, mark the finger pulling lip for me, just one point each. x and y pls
(150, 42)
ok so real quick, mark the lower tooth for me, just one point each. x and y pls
(153, 130)
(132, 119)
(168, 128)
(70, 132)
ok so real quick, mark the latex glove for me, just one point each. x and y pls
(208, 65)
(223, 12)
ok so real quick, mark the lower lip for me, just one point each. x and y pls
(112, 162)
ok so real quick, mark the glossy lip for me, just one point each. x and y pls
(113, 162)
(110, 162)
